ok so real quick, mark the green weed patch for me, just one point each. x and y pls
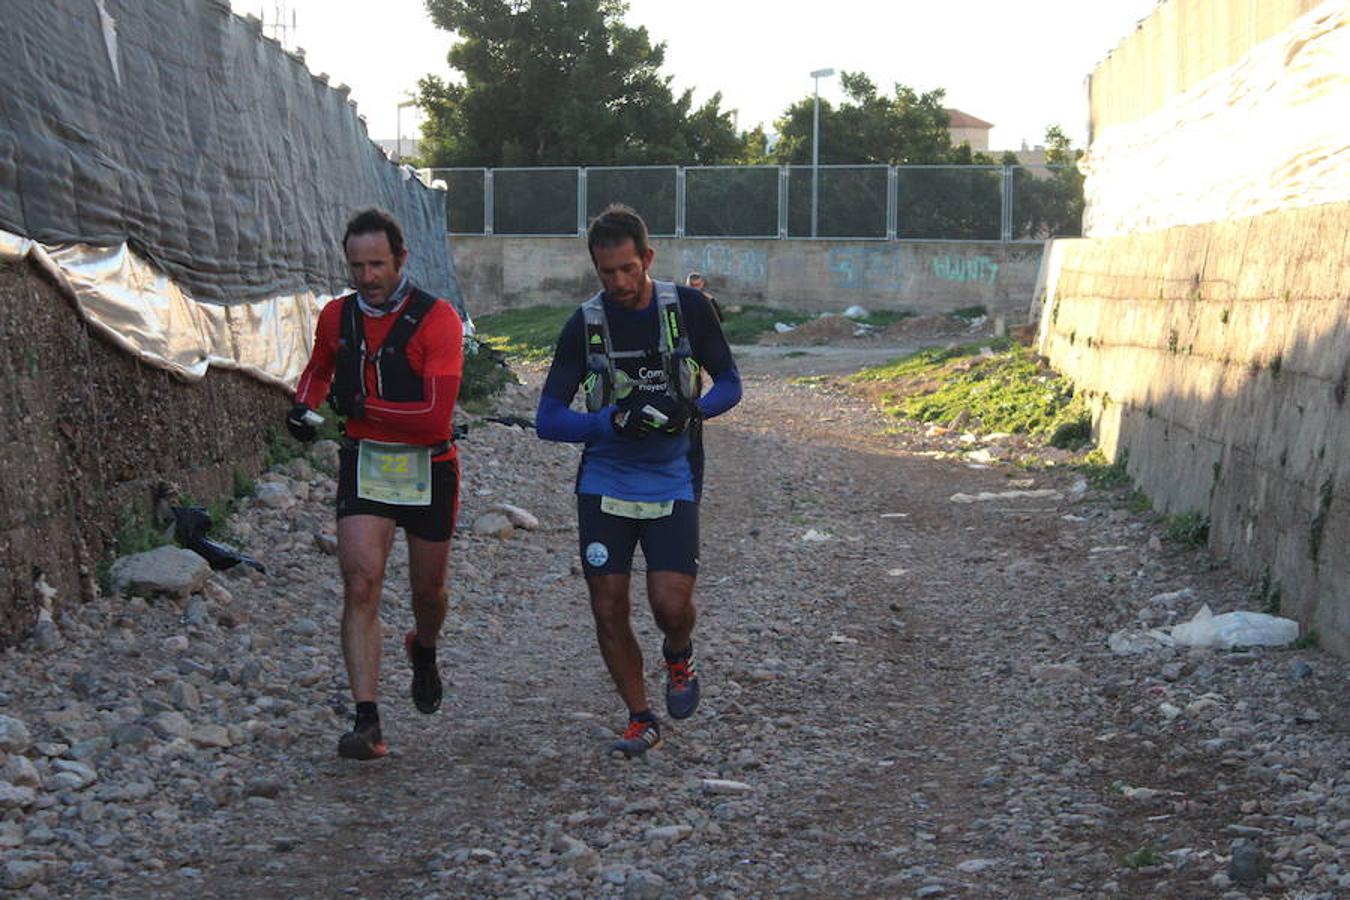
(528, 334)
(1008, 390)
(751, 321)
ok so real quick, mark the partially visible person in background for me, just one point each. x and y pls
(696, 281)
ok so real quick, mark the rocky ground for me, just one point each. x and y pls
(908, 692)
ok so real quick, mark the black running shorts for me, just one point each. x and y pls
(435, 522)
(607, 542)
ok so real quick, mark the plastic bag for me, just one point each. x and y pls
(190, 525)
(1234, 629)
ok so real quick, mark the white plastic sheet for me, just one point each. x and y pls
(145, 313)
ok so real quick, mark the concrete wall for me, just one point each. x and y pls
(1179, 45)
(1218, 357)
(507, 272)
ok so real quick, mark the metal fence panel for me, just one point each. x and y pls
(951, 203)
(464, 188)
(731, 201)
(851, 201)
(534, 201)
(648, 189)
(1047, 201)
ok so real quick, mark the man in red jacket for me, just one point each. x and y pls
(388, 358)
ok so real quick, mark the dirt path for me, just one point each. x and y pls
(916, 694)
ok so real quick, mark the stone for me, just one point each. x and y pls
(18, 874)
(170, 571)
(519, 517)
(274, 495)
(1248, 865)
(16, 797)
(211, 736)
(670, 833)
(324, 455)
(184, 696)
(171, 724)
(1056, 672)
(494, 524)
(19, 771)
(644, 885)
(14, 736)
(326, 543)
(720, 786)
(975, 866)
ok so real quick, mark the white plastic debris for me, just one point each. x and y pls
(782, 327)
(1234, 629)
(855, 312)
(813, 535)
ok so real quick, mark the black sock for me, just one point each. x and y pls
(642, 716)
(422, 654)
(366, 713)
(687, 653)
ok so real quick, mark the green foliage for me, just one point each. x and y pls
(1319, 522)
(1105, 475)
(136, 533)
(1307, 641)
(529, 334)
(281, 448)
(1190, 529)
(1266, 594)
(562, 84)
(485, 374)
(904, 127)
(1138, 502)
(1141, 858)
(746, 326)
(241, 485)
(1005, 391)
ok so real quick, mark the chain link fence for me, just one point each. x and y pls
(917, 203)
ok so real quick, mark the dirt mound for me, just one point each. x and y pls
(926, 326)
(824, 330)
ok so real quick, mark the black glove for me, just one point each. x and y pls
(352, 407)
(679, 413)
(628, 420)
(295, 423)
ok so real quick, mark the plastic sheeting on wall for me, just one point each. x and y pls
(145, 313)
(177, 128)
(1267, 133)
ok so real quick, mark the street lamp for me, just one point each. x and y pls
(398, 126)
(815, 147)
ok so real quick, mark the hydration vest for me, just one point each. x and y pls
(394, 377)
(604, 383)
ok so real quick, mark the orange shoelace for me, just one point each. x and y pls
(634, 730)
(680, 673)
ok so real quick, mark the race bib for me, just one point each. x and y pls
(398, 474)
(636, 509)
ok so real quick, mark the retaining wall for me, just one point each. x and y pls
(499, 273)
(1218, 359)
(87, 434)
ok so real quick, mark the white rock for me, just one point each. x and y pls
(85, 773)
(495, 524)
(164, 570)
(274, 495)
(671, 833)
(813, 536)
(14, 736)
(722, 786)
(974, 866)
(20, 772)
(211, 736)
(171, 724)
(15, 797)
(519, 517)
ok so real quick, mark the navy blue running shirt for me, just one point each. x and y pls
(658, 467)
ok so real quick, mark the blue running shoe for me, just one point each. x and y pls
(639, 737)
(681, 683)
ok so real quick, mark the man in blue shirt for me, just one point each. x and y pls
(636, 350)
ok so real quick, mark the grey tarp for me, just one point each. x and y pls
(175, 126)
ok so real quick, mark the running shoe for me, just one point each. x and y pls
(426, 681)
(681, 683)
(638, 738)
(363, 742)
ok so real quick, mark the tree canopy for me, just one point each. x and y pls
(562, 82)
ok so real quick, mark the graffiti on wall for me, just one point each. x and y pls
(865, 268)
(723, 262)
(965, 268)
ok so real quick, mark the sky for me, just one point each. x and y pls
(1020, 65)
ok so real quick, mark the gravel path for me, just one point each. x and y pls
(904, 696)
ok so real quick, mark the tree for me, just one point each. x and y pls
(1049, 202)
(561, 82)
(906, 127)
